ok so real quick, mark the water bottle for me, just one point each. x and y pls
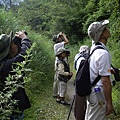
(99, 95)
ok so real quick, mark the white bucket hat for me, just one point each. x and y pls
(61, 50)
(95, 30)
(84, 48)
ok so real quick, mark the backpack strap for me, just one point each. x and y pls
(82, 54)
(97, 47)
(96, 80)
(76, 61)
(98, 77)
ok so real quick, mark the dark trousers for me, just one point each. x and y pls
(80, 107)
(17, 116)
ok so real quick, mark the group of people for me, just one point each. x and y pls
(13, 50)
(86, 108)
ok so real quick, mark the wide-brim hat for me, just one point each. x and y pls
(84, 48)
(96, 28)
(61, 50)
(55, 37)
(5, 41)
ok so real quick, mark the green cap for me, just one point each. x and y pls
(5, 41)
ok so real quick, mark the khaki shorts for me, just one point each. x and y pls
(62, 88)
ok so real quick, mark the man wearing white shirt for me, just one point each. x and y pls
(60, 41)
(100, 64)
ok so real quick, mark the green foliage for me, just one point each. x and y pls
(54, 16)
(42, 63)
(72, 17)
(116, 97)
(8, 22)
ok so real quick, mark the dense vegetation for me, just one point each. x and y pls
(44, 18)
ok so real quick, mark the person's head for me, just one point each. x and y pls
(17, 40)
(98, 31)
(62, 52)
(58, 38)
(5, 42)
(84, 49)
(16, 43)
(8, 46)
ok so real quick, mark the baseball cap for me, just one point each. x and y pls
(96, 28)
(61, 50)
(5, 41)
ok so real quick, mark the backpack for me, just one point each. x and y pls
(82, 80)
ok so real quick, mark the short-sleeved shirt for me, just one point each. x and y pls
(100, 63)
(78, 60)
(58, 45)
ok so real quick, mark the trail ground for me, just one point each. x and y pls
(70, 94)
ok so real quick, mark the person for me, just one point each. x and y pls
(11, 53)
(83, 50)
(80, 102)
(60, 41)
(63, 75)
(100, 63)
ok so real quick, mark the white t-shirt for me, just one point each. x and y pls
(100, 63)
(58, 45)
(78, 61)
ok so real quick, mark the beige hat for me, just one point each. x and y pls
(84, 48)
(55, 37)
(61, 50)
(95, 30)
(5, 41)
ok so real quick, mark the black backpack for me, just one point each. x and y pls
(82, 80)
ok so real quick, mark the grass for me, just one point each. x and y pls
(44, 107)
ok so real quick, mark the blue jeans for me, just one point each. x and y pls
(17, 116)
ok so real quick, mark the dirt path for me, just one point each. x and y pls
(70, 94)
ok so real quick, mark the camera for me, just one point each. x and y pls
(61, 36)
(17, 40)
